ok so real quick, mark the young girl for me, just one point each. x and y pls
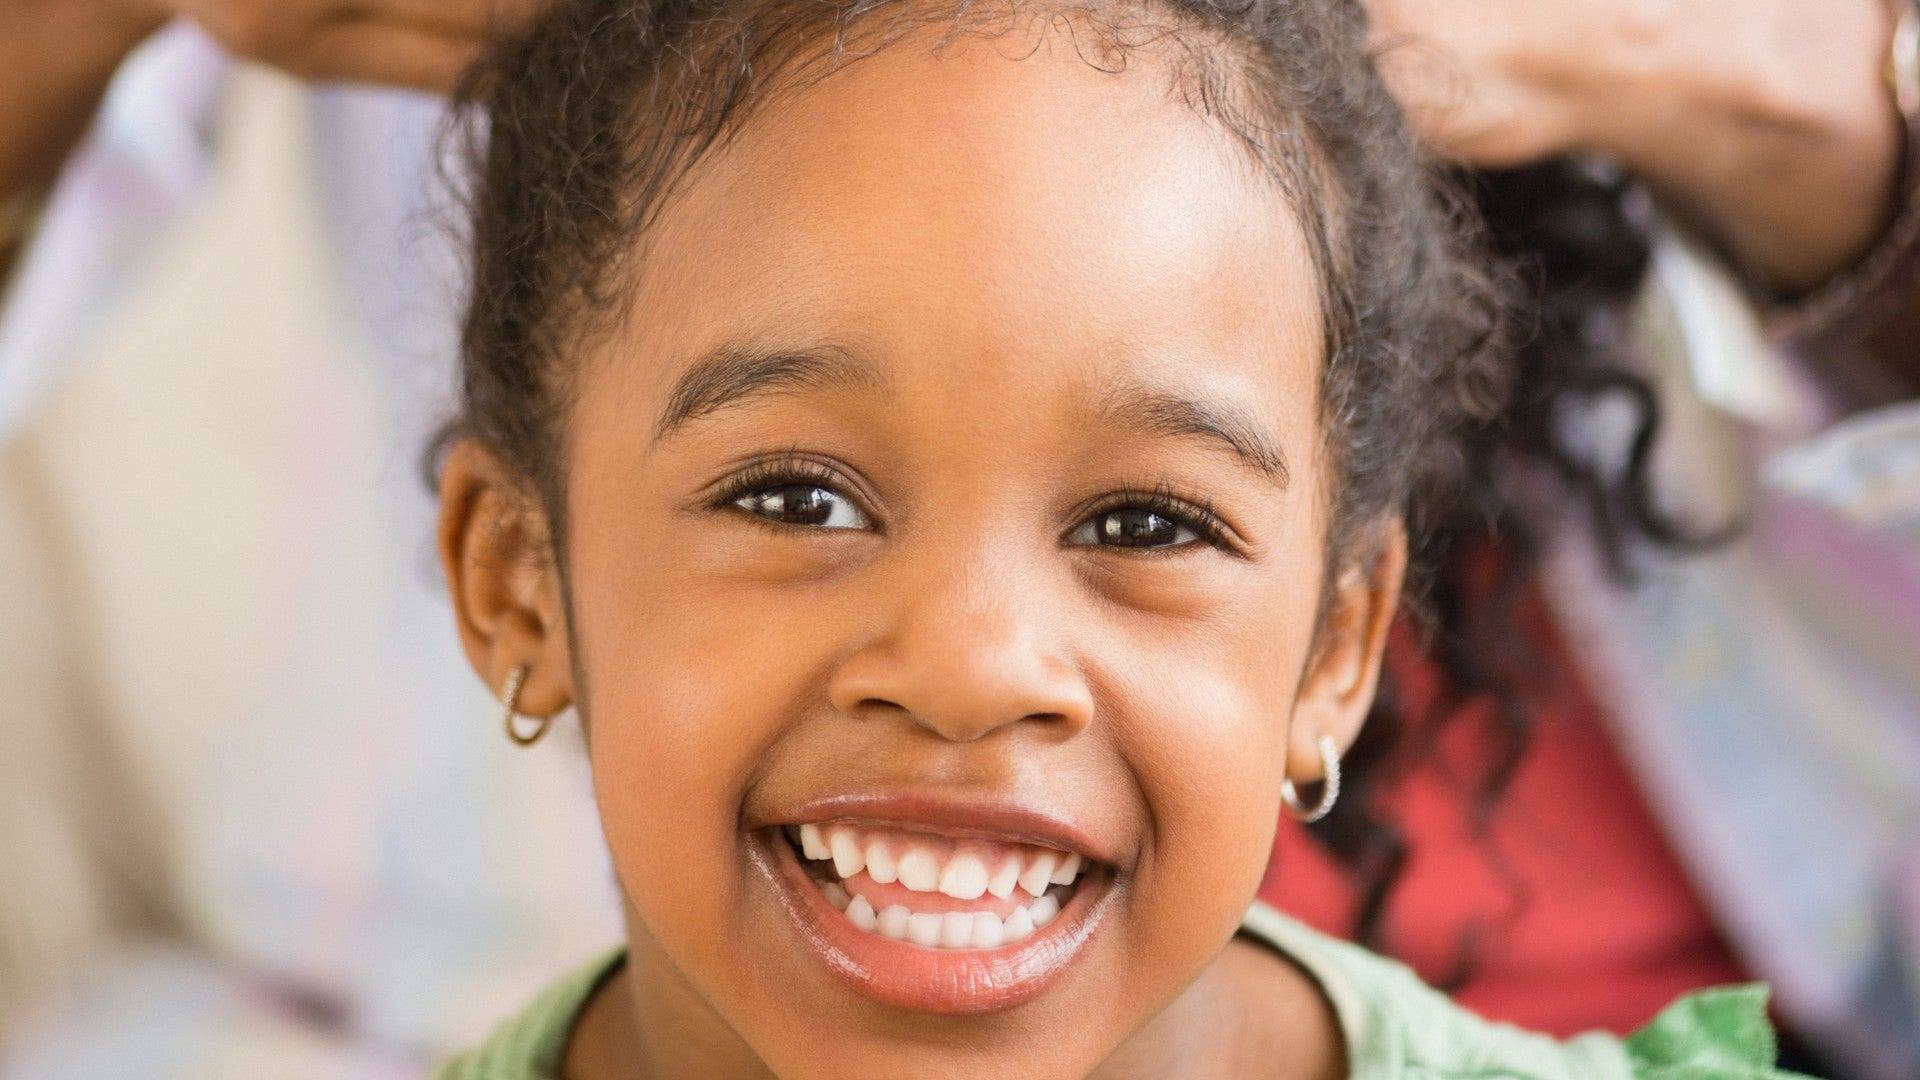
(959, 464)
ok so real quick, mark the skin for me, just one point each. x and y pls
(1007, 247)
(59, 56)
(1766, 121)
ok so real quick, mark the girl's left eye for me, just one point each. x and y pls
(803, 504)
(1133, 527)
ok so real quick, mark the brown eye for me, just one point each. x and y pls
(806, 505)
(1133, 527)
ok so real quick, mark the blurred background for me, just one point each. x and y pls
(256, 816)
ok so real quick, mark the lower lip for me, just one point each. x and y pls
(950, 981)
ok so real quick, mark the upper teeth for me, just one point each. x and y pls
(964, 870)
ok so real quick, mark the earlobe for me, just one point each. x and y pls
(1339, 685)
(495, 550)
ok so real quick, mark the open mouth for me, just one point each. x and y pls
(935, 892)
(932, 922)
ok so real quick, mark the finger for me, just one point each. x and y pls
(370, 51)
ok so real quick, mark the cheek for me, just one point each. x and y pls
(666, 764)
(1207, 739)
(1204, 721)
(683, 697)
(1210, 701)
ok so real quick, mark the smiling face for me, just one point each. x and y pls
(945, 538)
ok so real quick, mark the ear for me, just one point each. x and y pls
(1340, 681)
(496, 550)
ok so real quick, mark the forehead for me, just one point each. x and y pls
(989, 199)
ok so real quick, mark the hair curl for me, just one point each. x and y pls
(1575, 239)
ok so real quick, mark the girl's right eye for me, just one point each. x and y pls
(805, 505)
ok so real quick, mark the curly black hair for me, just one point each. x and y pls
(1576, 239)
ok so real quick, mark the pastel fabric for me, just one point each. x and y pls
(257, 818)
(1767, 696)
(1396, 1027)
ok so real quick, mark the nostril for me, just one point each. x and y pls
(961, 692)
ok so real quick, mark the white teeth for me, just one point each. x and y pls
(956, 929)
(953, 930)
(893, 921)
(1043, 910)
(812, 844)
(964, 870)
(1039, 873)
(965, 877)
(919, 871)
(988, 931)
(1001, 882)
(860, 913)
(848, 859)
(880, 865)
(1067, 870)
(1018, 925)
(924, 929)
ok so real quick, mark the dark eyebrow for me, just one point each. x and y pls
(732, 374)
(1162, 412)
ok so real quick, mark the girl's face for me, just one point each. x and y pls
(945, 544)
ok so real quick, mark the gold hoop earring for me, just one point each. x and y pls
(1329, 793)
(510, 720)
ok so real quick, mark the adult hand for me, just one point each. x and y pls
(418, 43)
(1767, 120)
(58, 56)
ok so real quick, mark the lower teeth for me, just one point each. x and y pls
(952, 930)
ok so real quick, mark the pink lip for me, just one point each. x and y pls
(949, 981)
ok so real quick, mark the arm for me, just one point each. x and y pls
(1872, 311)
(1767, 122)
(59, 55)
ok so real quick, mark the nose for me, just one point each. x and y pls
(967, 653)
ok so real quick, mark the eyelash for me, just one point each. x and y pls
(1193, 512)
(785, 471)
(1163, 500)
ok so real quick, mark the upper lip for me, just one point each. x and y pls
(953, 817)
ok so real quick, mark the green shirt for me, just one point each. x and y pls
(1396, 1027)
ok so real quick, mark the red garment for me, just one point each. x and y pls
(1569, 912)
